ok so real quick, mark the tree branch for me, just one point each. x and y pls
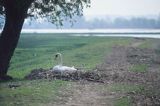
(1, 2)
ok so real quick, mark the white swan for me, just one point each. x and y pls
(60, 68)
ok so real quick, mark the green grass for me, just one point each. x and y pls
(150, 44)
(30, 93)
(37, 50)
(124, 101)
(139, 68)
(146, 44)
(123, 88)
(126, 88)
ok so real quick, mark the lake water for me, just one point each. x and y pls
(147, 33)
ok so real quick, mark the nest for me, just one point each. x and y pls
(67, 76)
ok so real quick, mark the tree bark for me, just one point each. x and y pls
(9, 37)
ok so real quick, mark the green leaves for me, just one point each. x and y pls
(54, 11)
(58, 10)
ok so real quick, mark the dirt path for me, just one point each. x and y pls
(85, 94)
(90, 94)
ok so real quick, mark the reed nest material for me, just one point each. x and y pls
(67, 76)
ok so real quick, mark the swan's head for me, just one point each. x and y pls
(56, 55)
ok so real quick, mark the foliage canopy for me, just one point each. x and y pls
(55, 11)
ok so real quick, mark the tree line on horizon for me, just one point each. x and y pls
(119, 22)
(82, 23)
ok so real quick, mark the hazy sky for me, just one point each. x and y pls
(123, 8)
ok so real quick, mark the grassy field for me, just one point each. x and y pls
(37, 51)
(30, 93)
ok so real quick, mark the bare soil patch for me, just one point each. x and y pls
(90, 94)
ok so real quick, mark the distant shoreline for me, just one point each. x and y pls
(141, 33)
(147, 33)
(94, 31)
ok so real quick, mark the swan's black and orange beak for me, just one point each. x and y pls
(56, 56)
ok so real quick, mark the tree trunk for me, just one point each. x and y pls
(9, 37)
